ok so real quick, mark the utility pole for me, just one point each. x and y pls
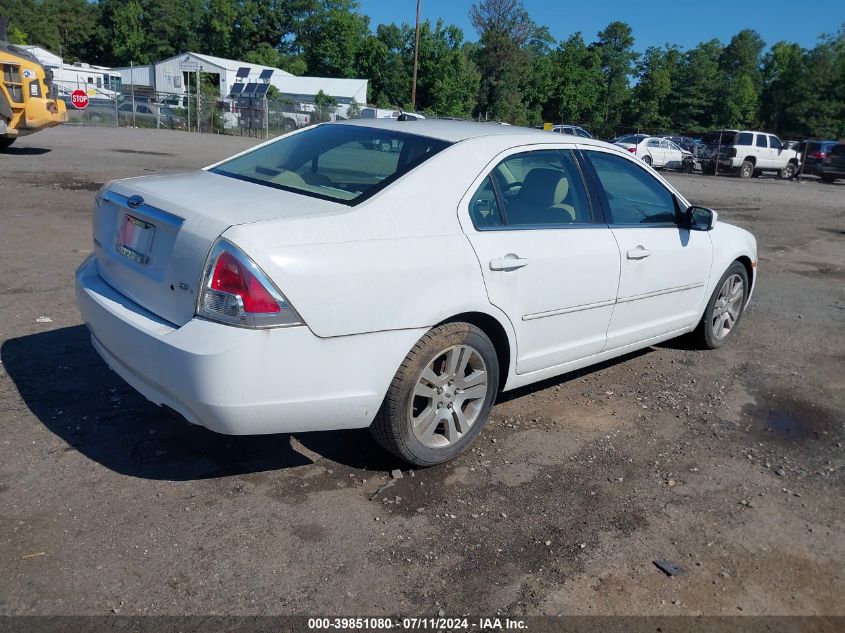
(132, 87)
(416, 59)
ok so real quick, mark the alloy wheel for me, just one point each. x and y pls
(449, 396)
(728, 305)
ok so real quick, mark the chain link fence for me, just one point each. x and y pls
(204, 113)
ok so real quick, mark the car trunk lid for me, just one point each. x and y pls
(152, 235)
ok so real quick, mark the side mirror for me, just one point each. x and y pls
(701, 218)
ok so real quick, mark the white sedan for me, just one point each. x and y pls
(657, 152)
(312, 283)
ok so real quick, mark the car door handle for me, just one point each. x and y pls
(638, 253)
(510, 262)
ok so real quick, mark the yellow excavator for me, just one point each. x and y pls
(28, 101)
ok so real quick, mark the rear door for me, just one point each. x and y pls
(547, 259)
(664, 266)
(761, 150)
(654, 150)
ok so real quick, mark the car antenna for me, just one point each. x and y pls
(402, 116)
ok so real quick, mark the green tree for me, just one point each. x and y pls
(696, 85)
(743, 79)
(27, 21)
(505, 31)
(75, 23)
(128, 34)
(218, 27)
(578, 87)
(616, 50)
(782, 102)
(653, 91)
(332, 37)
(383, 59)
(456, 87)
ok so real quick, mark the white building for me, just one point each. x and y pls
(168, 77)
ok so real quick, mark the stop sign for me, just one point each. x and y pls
(79, 99)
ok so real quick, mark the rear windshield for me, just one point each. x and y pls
(713, 138)
(343, 163)
(636, 139)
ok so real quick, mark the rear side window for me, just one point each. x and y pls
(744, 138)
(761, 140)
(342, 163)
(484, 206)
(838, 150)
(533, 189)
(634, 196)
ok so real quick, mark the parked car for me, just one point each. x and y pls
(311, 284)
(812, 153)
(149, 115)
(173, 101)
(383, 113)
(747, 153)
(657, 152)
(572, 130)
(833, 166)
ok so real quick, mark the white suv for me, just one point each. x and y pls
(748, 153)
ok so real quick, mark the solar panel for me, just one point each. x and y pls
(261, 90)
(243, 71)
(237, 89)
(249, 90)
(266, 74)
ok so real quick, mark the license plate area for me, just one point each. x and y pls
(135, 239)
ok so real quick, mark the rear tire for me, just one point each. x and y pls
(724, 310)
(440, 397)
(647, 160)
(6, 142)
(827, 179)
(746, 170)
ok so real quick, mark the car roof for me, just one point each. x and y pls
(455, 131)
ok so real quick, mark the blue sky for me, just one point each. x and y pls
(655, 22)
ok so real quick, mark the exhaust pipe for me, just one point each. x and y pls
(3, 23)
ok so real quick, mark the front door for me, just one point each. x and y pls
(546, 262)
(664, 266)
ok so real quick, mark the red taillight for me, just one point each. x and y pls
(232, 277)
(633, 150)
(818, 155)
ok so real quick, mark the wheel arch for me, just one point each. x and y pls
(745, 260)
(497, 333)
(750, 159)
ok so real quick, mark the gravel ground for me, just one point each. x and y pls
(728, 463)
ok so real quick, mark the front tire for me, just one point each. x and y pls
(6, 142)
(725, 308)
(440, 397)
(788, 172)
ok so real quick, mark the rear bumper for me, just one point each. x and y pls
(236, 380)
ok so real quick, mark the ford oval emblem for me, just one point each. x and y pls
(135, 201)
